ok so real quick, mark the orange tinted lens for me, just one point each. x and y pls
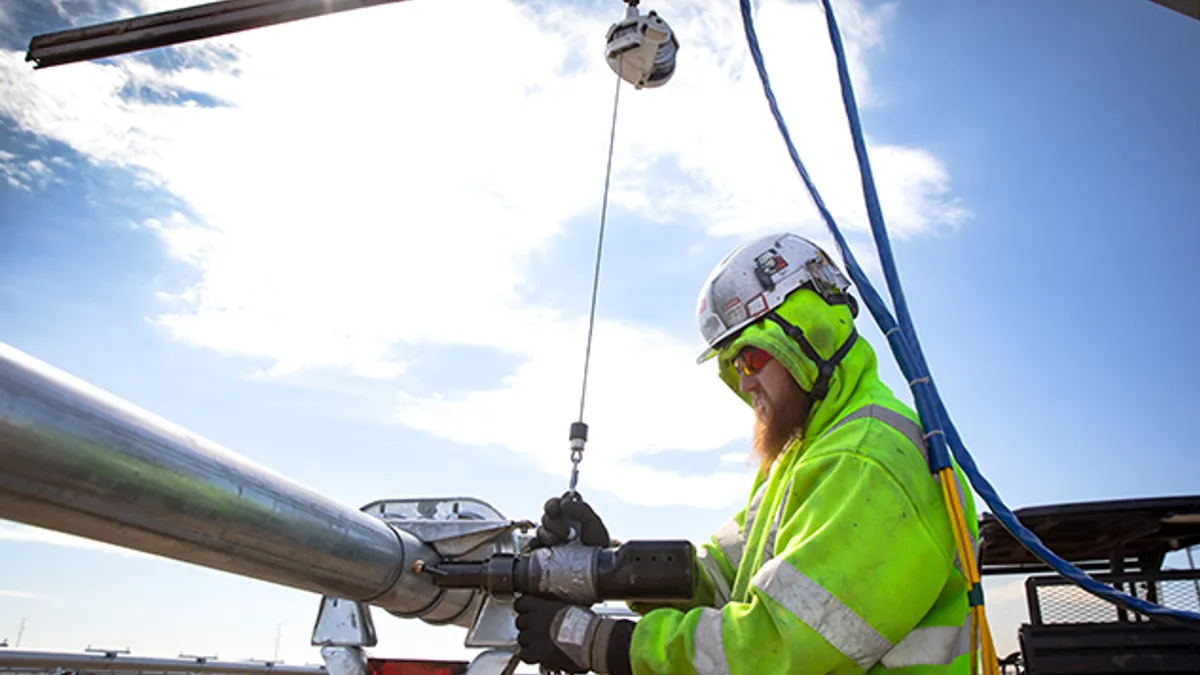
(751, 360)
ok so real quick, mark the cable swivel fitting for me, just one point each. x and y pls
(579, 431)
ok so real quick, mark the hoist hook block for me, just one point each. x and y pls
(641, 48)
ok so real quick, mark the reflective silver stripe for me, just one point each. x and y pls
(709, 648)
(910, 429)
(822, 612)
(731, 538)
(732, 542)
(769, 546)
(755, 503)
(931, 646)
(713, 571)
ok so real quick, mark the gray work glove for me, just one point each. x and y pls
(561, 514)
(571, 639)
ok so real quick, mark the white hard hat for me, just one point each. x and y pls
(757, 277)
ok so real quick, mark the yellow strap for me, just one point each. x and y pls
(981, 636)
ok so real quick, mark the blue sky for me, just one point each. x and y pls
(372, 275)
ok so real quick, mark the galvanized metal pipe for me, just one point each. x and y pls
(18, 661)
(76, 459)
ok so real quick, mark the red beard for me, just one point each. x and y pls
(781, 420)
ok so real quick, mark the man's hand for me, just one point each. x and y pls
(570, 638)
(560, 514)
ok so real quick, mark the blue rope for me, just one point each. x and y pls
(902, 337)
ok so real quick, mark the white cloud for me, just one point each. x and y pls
(717, 127)
(376, 182)
(1006, 611)
(735, 458)
(630, 412)
(37, 535)
(24, 174)
(182, 239)
(1008, 591)
(23, 595)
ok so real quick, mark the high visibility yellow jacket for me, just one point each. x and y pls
(843, 560)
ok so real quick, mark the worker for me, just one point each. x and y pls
(843, 559)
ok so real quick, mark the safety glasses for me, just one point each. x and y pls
(751, 360)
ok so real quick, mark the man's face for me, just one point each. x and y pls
(780, 405)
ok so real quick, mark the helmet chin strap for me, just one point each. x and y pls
(825, 367)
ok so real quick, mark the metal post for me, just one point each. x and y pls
(1195, 583)
(77, 459)
(1033, 600)
(1118, 568)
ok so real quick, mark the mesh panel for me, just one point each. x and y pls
(1063, 603)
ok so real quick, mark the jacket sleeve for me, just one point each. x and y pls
(853, 570)
(716, 566)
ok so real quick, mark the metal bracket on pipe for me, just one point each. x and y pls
(343, 623)
(494, 662)
(495, 625)
(345, 660)
(457, 538)
(455, 527)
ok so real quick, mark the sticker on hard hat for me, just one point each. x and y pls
(757, 305)
(770, 262)
(733, 312)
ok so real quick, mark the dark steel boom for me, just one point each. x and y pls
(177, 26)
